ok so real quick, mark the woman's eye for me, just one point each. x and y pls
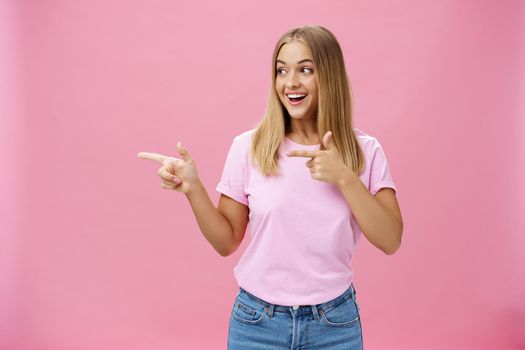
(281, 71)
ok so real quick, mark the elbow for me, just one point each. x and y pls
(394, 247)
(391, 250)
(223, 253)
(227, 251)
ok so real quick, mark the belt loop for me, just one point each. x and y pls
(314, 310)
(270, 310)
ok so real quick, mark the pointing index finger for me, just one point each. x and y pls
(303, 153)
(152, 156)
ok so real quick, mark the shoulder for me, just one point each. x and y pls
(242, 142)
(244, 137)
(368, 142)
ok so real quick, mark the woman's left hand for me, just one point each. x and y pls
(325, 165)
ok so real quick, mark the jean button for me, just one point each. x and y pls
(295, 307)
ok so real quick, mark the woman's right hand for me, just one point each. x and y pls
(177, 174)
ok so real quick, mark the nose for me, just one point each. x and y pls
(293, 80)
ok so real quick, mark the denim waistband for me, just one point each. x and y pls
(302, 309)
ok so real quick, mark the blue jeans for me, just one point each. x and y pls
(257, 324)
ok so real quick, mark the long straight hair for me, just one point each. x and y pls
(334, 109)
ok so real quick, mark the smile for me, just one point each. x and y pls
(296, 99)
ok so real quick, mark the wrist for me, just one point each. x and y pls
(348, 178)
(194, 187)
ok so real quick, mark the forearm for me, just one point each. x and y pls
(377, 224)
(213, 225)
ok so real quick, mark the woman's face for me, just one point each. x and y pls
(295, 80)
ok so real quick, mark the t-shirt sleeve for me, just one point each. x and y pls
(380, 175)
(231, 183)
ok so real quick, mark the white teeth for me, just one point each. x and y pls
(296, 95)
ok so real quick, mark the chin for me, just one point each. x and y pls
(297, 115)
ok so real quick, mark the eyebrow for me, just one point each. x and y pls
(301, 61)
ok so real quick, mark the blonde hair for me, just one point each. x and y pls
(335, 103)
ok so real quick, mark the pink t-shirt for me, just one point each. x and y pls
(303, 231)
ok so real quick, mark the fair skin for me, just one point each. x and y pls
(224, 227)
(379, 216)
(296, 75)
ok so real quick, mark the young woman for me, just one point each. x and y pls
(309, 184)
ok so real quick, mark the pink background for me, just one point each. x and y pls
(95, 255)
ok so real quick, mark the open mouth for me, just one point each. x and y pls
(296, 98)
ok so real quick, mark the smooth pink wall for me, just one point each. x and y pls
(95, 255)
